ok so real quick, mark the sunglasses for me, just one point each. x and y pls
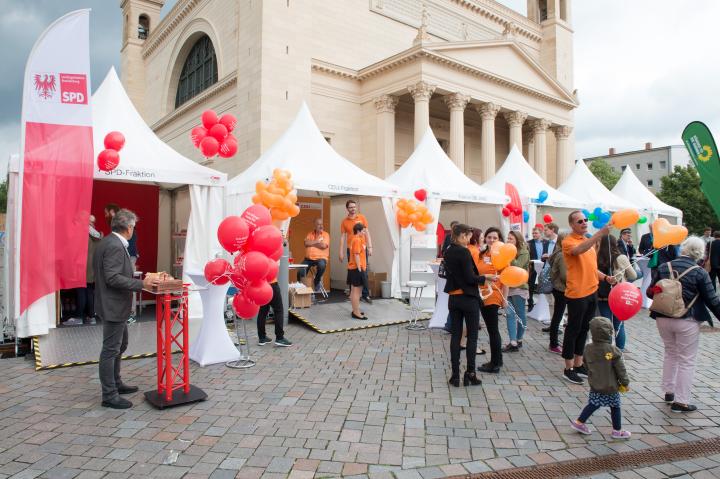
(582, 221)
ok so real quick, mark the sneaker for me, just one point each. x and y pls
(677, 407)
(367, 299)
(571, 376)
(580, 427)
(73, 322)
(669, 398)
(282, 342)
(263, 341)
(620, 434)
(581, 371)
(511, 348)
(555, 349)
(90, 321)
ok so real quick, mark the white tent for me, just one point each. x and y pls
(145, 159)
(584, 186)
(630, 188)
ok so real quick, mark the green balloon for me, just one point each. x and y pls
(642, 220)
(592, 217)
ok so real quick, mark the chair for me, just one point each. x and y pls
(415, 294)
(310, 279)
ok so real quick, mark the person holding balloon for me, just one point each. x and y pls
(492, 297)
(517, 296)
(681, 334)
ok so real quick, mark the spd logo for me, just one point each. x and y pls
(68, 88)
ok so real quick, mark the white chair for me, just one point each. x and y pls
(415, 289)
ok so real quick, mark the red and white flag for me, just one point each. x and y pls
(56, 167)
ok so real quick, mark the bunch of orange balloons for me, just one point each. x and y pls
(411, 212)
(279, 195)
(665, 234)
(501, 255)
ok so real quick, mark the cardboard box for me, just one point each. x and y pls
(300, 297)
(375, 283)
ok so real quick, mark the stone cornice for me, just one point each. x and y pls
(503, 15)
(158, 36)
(214, 90)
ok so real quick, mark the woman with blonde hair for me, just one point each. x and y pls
(517, 297)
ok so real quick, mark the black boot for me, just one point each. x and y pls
(455, 380)
(471, 379)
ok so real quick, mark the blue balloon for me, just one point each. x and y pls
(542, 196)
(597, 224)
(586, 213)
(598, 212)
(526, 216)
(606, 217)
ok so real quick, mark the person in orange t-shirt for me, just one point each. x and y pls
(580, 291)
(317, 253)
(346, 236)
(357, 269)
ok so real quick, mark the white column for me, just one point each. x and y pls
(563, 160)
(421, 93)
(488, 112)
(385, 137)
(457, 102)
(515, 120)
(540, 128)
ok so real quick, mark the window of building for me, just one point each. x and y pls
(663, 164)
(637, 166)
(199, 71)
(542, 5)
(649, 182)
(649, 166)
(143, 27)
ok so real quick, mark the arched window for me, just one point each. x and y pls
(199, 71)
(143, 27)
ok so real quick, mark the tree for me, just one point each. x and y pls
(604, 172)
(681, 189)
(3, 196)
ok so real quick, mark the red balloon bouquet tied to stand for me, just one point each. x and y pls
(109, 158)
(214, 136)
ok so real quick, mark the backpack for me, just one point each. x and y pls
(544, 281)
(669, 302)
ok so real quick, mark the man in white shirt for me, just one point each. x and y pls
(551, 235)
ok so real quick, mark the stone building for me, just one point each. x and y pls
(375, 74)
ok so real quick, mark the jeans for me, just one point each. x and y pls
(490, 316)
(558, 311)
(580, 312)
(615, 415)
(278, 312)
(115, 341)
(516, 317)
(681, 338)
(467, 308)
(365, 291)
(319, 264)
(618, 326)
(714, 275)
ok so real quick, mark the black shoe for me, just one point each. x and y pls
(117, 403)
(354, 316)
(511, 348)
(530, 307)
(572, 376)
(454, 380)
(669, 398)
(125, 389)
(367, 299)
(677, 407)
(489, 368)
(581, 371)
(263, 341)
(546, 330)
(520, 343)
(471, 379)
(463, 348)
(282, 342)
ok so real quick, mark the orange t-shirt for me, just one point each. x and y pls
(347, 226)
(485, 266)
(311, 252)
(582, 277)
(357, 246)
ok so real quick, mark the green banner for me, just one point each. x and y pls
(704, 153)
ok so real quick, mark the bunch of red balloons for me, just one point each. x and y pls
(109, 158)
(256, 246)
(214, 136)
(510, 209)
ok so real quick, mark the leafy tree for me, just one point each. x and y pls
(681, 189)
(604, 172)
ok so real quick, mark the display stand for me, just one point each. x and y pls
(244, 361)
(541, 310)
(423, 251)
(173, 382)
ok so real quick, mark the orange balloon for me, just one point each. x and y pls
(286, 204)
(665, 234)
(404, 223)
(292, 197)
(274, 189)
(256, 199)
(414, 217)
(294, 211)
(278, 214)
(514, 276)
(625, 218)
(260, 187)
(420, 226)
(401, 203)
(401, 216)
(427, 217)
(502, 255)
(274, 201)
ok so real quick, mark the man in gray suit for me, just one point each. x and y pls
(114, 285)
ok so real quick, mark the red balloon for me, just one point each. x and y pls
(625, 300)
(209, 118)
(209, 147)
(517, 210)
(421, 194)
(505, 212)
(243, 307)
(273, 268)
(228, 148)
(233, 233)
(229, 121)
(108, 160)
(255, 216)
(237, 279)
(539, 225)
(548, 219)
(216, 271)
(253, 266)
(218, 131)
(114, 141)
(259, 292)
(197, 135)
(265, 239)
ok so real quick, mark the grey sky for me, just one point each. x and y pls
(643, 68)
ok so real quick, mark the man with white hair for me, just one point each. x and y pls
(681, 335)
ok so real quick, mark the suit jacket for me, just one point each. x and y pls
(646, 243)
(531, 247)
(626, 249)
(114, 282)
(715, 254)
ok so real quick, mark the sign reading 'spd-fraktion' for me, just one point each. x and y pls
(68, 88)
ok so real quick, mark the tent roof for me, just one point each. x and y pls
(518, 172)
(430, 168)
(585, 186)
(631, 188)
(145, 158)
(314, 164)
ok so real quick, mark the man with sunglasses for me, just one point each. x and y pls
(581, 288)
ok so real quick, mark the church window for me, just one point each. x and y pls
(543, 10)
(199, 71)
(143, 27)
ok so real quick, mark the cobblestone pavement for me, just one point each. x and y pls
(371, 403)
